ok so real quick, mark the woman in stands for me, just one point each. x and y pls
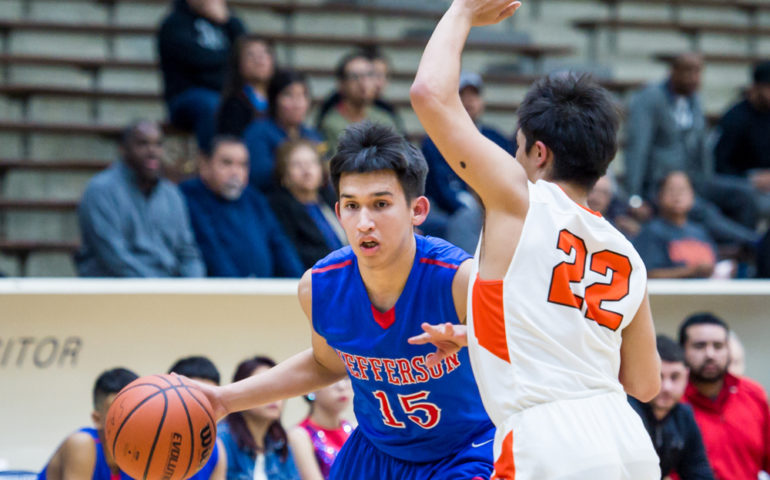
(318, 438)
(256, 442)
(244, 98)
(288, 97)
(301, 203)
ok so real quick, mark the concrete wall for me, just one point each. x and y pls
(56, 336)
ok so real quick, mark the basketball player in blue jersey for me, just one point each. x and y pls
(364, 301)
(82, 455)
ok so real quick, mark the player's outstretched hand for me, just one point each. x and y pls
(487, 12)
(213, 395)
(448, 339)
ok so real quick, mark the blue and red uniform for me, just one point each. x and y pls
(102, 470)
(414, 422)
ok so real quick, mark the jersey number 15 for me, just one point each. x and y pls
(601, 262)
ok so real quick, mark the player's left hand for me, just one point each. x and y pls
(448, 339)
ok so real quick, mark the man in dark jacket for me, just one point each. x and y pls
(671, 424)
(194, 44)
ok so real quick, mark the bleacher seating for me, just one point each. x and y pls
(73, 77)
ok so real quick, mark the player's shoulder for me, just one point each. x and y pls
(439, 252)
(339, 259)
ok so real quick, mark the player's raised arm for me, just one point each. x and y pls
(499, 180)
(305, 372)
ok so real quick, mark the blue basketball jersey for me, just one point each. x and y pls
(101, 468)
(405, 409)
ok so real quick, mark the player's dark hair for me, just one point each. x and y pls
(275, 432)
(196, 367)
(669, 350)
(342, 65)
(371, 147)
(701, 318)
(577, 120)
(109, 382)
(282, 79)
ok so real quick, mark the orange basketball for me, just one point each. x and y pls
(160, 427)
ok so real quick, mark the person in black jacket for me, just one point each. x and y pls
(671, 424)
(301, 204)
(194, 44)
(244, 98)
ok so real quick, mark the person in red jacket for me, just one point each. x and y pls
(732, 412)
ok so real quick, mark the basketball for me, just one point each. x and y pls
(160, 427)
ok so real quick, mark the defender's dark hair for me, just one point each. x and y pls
(701, 318)
(237, 424)
(669, 350)
(196, 367)
(577, 120)
(371, 147)
(339, 71)
(109, 382)
(282, 79)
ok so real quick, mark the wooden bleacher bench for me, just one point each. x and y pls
(688, 27)
(8, 204)
(710, 58)
(21, 249)
(67, 165)
(748, 6)
(525, 49)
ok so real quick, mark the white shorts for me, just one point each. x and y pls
(597, 438)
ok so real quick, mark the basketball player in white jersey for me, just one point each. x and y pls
(559, 322)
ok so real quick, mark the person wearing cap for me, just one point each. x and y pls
(743, 148)
(445, 189)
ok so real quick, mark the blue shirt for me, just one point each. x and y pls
(664, 245)
(129, 234)
(404, 409)
(262, 137)
(239, 238)
(101, 468)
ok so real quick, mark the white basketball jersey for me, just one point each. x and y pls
(551, 329)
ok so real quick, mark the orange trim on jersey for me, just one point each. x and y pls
(433, 261)
(593, 212)
(505, 468)
(489, 317)
(333, 266)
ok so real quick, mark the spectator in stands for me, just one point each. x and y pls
(671, 424)
(763, 256)
(445, 189)
(256, 442)
(743, 148)
(302, 206)
(356, 85)
(234, 226)
(194, 44)
(133, 222)
(380, 76)
(666, 131)
(732, 412)
(605, 199)
(463, 227)
(670, 245)
(318, 438)
(82, 454)
(289, 102)
(244, 98)
(202, 369)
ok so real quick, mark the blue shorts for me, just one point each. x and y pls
(360, 459)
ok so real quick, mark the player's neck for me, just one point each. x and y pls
(385, 283)
(578, 194)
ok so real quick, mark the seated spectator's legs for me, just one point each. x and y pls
(195, 109)
(722, 229)
(763, 257)
(734, 196)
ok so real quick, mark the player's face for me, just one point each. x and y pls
(335, 398)
(673, 381)
(528, 160)
(99, 415)
(227, 171)
(706, 352)
(269, 412)
(376, 217)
